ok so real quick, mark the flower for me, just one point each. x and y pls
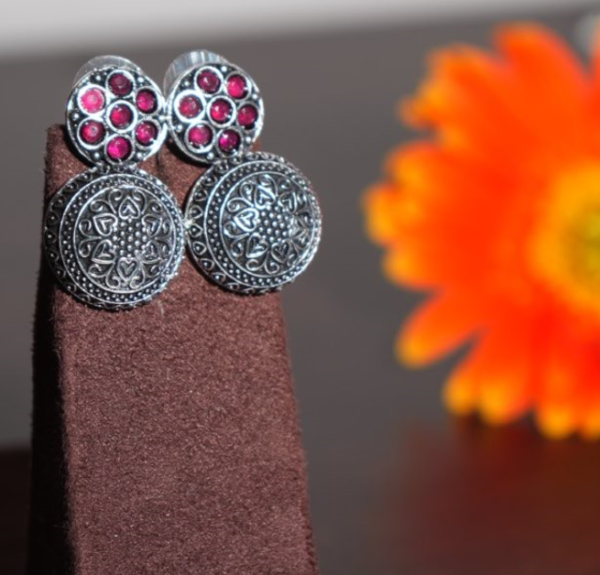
(496, 215)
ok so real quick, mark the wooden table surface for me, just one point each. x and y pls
(397, 486)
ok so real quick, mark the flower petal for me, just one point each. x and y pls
(496, 376)
(590, 422)
(381, 208)
(549, 83)
(569, 371)
(465, 101)
(438, 327)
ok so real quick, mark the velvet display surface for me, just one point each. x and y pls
(166, 437)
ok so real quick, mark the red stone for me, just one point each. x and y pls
(92, 100)
(92, 132)
(119, 148)
(247, 116)
(220, 111)
(237, 86)
(121, 116)
(229, 141)
(208, 81)
(120, 84)
(200, 136)
(190, 106)
(146, 133)
(146, 101)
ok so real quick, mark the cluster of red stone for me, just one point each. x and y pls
(120, 116)
(220, 111)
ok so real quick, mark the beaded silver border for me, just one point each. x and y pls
(63, 210)
(204, 211)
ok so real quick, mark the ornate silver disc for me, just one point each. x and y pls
(254, 223)
(114, 238)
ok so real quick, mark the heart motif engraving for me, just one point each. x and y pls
(152, 224)
(105, 224)
(289, 201)
(151, 252)
(129, 209)
(256, 247)
(127, 267)
(246, 219)
(247, 191)
(103, 253)
(281, 252)
(265, 191)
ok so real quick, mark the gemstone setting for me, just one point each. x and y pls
(115, 115)
(200, 136)
(120, 84)
(229, 141)
(190, 106)
(231, 113)
(146, 133)
(92, 132)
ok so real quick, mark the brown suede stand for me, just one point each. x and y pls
(165, 438)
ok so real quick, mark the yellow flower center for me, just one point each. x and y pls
(565, 247)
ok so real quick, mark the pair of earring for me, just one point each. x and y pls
(114, 235)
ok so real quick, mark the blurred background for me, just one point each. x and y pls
(396, 485)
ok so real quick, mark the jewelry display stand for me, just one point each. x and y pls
(165, 438)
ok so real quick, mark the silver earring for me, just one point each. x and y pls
(114, 235)
(214, 108)
(253, 220)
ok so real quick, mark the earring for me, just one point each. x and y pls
(252, 219)
(214, 108)
(114, 235)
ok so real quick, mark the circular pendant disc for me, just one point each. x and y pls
(114, 239)
(254, 223)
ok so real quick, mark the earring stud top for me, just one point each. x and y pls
(214, 108)
(115, 112)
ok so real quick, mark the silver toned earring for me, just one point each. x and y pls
(253, 221)
(114, 235)
(214, 108)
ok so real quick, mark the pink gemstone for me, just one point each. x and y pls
(146, 133)
(121, 116)
(220, 111)
(120, 84)
(92, 100)
(247, 116)
(92, 132)
(209, 81)
(119, 148)
(146, 101)
(229, 141)
(200, 136)
(237, 86)
(190, 107)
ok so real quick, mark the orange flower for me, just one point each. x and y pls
(497, 216)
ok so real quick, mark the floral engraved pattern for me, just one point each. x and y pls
(123, 239)
(254, 223)
(267, 224)
(114, 239)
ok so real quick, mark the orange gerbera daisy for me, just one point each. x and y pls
(497, 216)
